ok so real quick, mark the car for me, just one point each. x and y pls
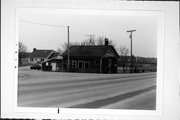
(35, 67)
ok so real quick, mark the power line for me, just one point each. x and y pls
(43, 24)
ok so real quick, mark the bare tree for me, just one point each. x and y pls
(85, 42)
(112, 43)
(22, 52)
(123, 52)
(90, 41)
(100, 40)
(59, 50)
(64, 46)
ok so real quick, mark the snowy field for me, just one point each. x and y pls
(84, 90)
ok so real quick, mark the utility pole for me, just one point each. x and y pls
(68, 64)
(131, 31)
(90, 38)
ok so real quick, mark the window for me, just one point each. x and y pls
(86, 64)
(80, 64)
(74, 63)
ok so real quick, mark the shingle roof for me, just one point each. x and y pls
(89, 51)
(41, 53)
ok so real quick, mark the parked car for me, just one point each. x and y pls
(35, 67)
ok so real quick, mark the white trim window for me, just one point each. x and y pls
(80, 64)
(74, 64)
(86, 64)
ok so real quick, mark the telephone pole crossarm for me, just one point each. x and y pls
(131, 30)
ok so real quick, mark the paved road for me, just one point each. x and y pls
(80, 90)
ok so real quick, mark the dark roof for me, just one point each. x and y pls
(89, 51)
(41, 53)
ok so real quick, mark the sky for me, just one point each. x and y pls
(114, 27)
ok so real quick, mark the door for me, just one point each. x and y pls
(105, 65)
(109, 65)
(53, 66)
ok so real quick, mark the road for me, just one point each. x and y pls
(82, 90)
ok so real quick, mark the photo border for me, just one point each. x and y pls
(169, 9)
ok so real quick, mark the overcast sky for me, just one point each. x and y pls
(113, 27)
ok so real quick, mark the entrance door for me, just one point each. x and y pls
(53, 66)
(109, 65)
(105, 65)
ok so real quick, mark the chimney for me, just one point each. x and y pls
(106, 41)
(34, 49)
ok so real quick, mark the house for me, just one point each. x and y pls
(91, 59)
(53, 63)
(38, 56)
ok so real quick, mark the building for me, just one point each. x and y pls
(91, 58)
(38, 56)
(53, 63)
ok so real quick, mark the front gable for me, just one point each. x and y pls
(109, 53)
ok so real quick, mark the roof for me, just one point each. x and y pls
(54, 58)
(54, 54)
(41, 53)
(89, 51)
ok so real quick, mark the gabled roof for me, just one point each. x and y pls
(53, 54)
(54, 58)
(89, 51)
(41, 53)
